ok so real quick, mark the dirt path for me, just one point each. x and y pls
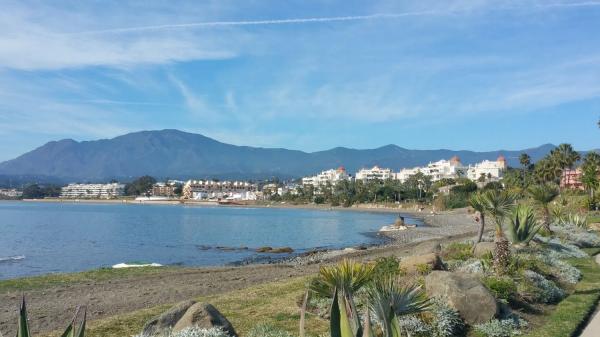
(52, 307)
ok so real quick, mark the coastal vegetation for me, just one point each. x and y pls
(548, 287)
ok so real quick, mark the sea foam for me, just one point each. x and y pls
(11, 258)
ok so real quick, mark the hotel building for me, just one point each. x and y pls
(332, 176)
(99, 191)
(493, 170)
(375, 173)
(210, 189)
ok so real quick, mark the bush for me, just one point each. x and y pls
(502, 287)
(267, 330)
(415, 326)
(539, 289)
(458, 251)
(446, 322)
(386, 266)
(500, 328)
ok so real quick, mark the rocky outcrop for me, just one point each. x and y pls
(185, 315)
(167, 320)
(463, 292)
(483, 248)
(204, 315)
(413, 264)
(278, 250)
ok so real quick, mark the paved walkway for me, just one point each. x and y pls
(593, 328)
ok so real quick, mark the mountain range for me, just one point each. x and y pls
(183, 155)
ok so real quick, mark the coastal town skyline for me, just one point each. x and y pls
(424, 75)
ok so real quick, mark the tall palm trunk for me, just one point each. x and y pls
(546, 219)
(501, 252)
(481, 227)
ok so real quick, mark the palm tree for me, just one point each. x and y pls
(525, 160)
(498, 204)
(476, 201)
(543, 195)
(591, 159)
(564, 156)
(589, 179)
(546, 170)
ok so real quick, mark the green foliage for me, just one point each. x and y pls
(467, 187)
(267, 330)
(445, 321)
(493, 185)
(500, 328)
(140, 186)
(347, 277)
(569, 315)
(502, 287)
(35, 191)
(388, 266)
(461, 251)
(388, 301)
(523, 225)
(424, 268)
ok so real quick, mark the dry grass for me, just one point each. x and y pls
(274, 303)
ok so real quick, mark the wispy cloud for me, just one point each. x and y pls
(317, 20)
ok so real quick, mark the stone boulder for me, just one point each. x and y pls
(167, 320)
(465, 293)
(483, 248)
(411, 264)
(204, 315)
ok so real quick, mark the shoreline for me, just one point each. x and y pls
(122, 291)
(358, 207)
(436, 226)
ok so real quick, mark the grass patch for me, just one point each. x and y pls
(102, 274)
(272, 303)
(458, 251)
(572, 312)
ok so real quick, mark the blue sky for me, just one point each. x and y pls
(306, 75)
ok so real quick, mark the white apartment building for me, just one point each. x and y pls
(210, 189)
(438, 170)
(492, 170)
(375, 173)
(10, 193)
(332, 176)
(100, 191)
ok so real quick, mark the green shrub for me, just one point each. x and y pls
(458, 251)
(445, 321)
(424, 268)
(502, 287)
(386, 266)
(500, 328)
(535, 287)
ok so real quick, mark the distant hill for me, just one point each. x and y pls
(177, 154)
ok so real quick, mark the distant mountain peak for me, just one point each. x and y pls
(180, 154)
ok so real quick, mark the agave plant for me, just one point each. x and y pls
(347, 277)
(523, 225)
(389, 301)
(578, 220)
(70, 331)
